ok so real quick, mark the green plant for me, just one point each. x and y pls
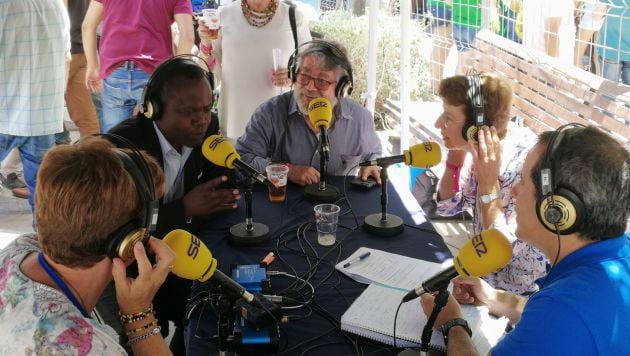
(352, 32)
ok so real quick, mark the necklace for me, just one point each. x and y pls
(61, 284)
(259, 19)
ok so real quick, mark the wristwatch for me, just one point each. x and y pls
(454, 322)
(488, 198)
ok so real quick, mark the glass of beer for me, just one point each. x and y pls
(277, 173)
(211, 19)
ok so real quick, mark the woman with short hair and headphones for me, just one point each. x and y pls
(86, 235)
(482, 169)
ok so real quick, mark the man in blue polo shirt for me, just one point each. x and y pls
(573, 204)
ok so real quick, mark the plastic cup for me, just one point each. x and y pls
(277, 173)
(211, 18)
(277, 59)
(326, 218)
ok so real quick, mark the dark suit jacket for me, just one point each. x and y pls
(170, 301)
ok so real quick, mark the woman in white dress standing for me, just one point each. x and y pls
(242, 60)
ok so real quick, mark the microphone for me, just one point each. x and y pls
(194, 261)
(220, 151)
(422, 155)
(320, 115)
(481, 255)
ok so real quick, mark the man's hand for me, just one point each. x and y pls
(373, 171)
(93, 80)
(206, 199)
(303, 175)
(134, 295)
(450, 311)
(473, 290)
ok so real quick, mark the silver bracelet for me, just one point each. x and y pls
(133, 340)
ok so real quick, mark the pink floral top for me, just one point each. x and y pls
(36, 319)
(528, 263)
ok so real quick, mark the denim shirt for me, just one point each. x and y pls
(277, 132)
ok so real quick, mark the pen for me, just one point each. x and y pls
(361, 257)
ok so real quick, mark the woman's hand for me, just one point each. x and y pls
(136, 294)
(280, 78)
(487, 159)
(205, 33)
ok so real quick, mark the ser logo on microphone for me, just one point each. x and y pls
(428, 146)
(193, 248)
(317, 104)
(216, 142)
(479, 245)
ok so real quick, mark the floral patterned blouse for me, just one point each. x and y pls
(36, 319)
(528, 263)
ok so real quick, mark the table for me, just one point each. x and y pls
(318, 334)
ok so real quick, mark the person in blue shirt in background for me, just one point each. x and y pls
(583, 305)
(614, 49)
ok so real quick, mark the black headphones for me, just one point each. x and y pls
(334, 53)
(475, 122)
(122, 240)
(559, 209)
(151, 105)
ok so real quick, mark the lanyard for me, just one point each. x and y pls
(64, 287)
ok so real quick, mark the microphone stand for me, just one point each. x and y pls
(249, 232)
(322, 193)
(383, 224)
(440, 301)
(225, 323)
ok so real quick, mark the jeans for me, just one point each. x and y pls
(63, 137)
(615, 70)
(122, 91)
(32, 150)
(464, 36)
(98, 106)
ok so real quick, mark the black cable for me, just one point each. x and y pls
(395, 319)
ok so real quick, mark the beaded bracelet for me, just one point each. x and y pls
(142, 328)
(130, 318)
(133, 340)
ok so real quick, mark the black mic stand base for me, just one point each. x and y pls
(330, 194)
(392, 226)
(239, 235)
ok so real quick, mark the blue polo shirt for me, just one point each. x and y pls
(584, 308)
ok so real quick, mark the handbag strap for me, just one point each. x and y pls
(293, 23)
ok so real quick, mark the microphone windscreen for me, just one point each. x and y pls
(423, 155)
(320, 112)
(219, 151)
(193, 260)
(483, 254)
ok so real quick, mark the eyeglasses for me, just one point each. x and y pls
(305, 79)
